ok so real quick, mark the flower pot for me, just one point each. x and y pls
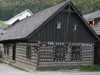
(35, 52)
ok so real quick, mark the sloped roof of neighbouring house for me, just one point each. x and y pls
(96, 27)
(32, 24)
(92, 15)
(19, 17)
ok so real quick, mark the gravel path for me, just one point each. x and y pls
(6, 69)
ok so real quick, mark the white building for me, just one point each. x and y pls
(6, 25)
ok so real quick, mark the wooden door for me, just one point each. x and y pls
(14, 52)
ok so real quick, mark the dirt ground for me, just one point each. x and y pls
(6, 69)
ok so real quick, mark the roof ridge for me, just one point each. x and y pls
(45, 9)
(53, 6)
(19, 15)
(91, 12)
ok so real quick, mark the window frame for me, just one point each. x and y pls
(63, 58)
(75, 51)
(91, 23)
(58, 25)
(74, 26)
(28, 52)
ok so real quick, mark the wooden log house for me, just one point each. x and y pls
(57, 37)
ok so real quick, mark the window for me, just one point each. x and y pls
(59, 52)
(91, 22)
(58, 25)
(5, 49)
(75, 53)
(74, 26)
(28, 52)
(35, 49)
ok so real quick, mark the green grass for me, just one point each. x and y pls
(83, 68)
(51, 69)
(56, 69)
(90, 68)
(1, 22)
(1, 46)
(1, 61)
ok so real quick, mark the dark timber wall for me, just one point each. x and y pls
(97, 53)
(50, 32)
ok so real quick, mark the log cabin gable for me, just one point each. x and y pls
(66, 26)
(62, 23)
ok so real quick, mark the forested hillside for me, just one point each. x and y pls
(10, 8)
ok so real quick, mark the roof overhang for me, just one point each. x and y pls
(5, 26)
(91, 20)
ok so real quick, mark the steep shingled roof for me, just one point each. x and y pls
(92, 15)
(29, 25)
(23, 28)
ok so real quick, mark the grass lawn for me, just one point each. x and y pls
(1, 22)
(1, 61)
(55, 69)
(81, 69)
(90, 68)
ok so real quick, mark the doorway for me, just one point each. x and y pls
(14, 52)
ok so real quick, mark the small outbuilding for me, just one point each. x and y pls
(57, 37)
